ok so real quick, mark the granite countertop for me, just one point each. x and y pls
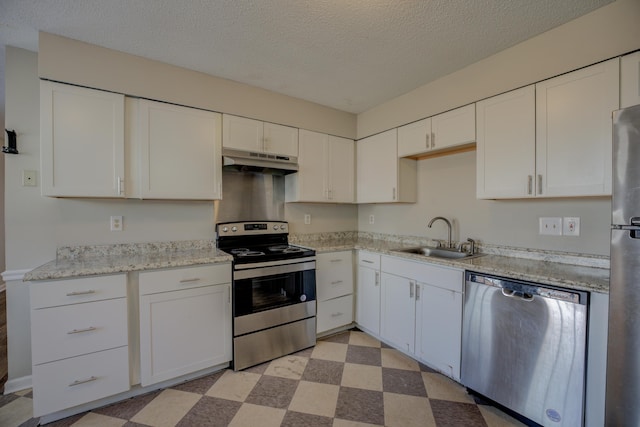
(587, 273)
(80, 261)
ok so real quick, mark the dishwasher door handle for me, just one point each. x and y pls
(510, 293)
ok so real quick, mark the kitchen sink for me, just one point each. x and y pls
(432, 252)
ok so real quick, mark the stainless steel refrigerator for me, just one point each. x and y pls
(623, 348)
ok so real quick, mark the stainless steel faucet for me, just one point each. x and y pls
(448, 225)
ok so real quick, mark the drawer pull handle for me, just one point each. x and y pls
(78, 331)
(336, 260)
(367, 261)
(337, 314)
(76, 293)
(87, 380)
(195, 279)
(337, 282)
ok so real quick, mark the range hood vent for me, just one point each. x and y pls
(245, 161)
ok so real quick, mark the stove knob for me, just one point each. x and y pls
(283, 227)
(275, 227)
(234, 229)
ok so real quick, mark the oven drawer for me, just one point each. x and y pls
(153, 282)
(335, 313)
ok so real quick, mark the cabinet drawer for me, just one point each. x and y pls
(68, 331)
(71, 382)
(73, 291)
(184, 278)
(368, 259)
(334, 275)
(442, 277)
(334, 313)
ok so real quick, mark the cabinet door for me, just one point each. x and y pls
(341, 165)
(397, 317)
(505, 150)
(368, 300)
(310, 183)
(184, 331)
(414, 138)
(241, 133)
(82, 141)
(439, 329)
(574, 131)
(282, 140)
(377, 168)
(453, 128)
(630, 80)
(180, 152)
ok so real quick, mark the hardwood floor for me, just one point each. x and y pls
(3, 340)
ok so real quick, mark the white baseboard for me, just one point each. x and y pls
(18, 384)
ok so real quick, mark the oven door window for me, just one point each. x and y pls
(267, 292)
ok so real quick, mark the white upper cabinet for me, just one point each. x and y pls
(438, 133)
(381, 176)
(327, 170)
(82, 141)
(574, 131)
(630, 80)
(552, 139)
(244, 134)
(505, 150)
(174, 152)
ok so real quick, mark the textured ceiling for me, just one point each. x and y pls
(346, 54)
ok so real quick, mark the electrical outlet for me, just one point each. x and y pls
(372, 219)
(116, 223)
(571, 226)
(29, 178)
(551, 226)
(307, 219)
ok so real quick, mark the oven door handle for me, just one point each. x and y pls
(273, 270)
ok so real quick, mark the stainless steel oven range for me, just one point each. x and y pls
(274, 291)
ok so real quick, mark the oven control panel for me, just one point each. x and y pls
(249, 228)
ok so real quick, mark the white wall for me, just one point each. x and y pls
(447, 184)
(446, 187)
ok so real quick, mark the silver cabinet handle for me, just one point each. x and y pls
(417, 292)
(411, 284)
(426, 135)
(195, 279)
(337, 314)
(76, 293)
(120, 186)
(539, 184)
(87, 380)
(433, 140)
(367, 261)
(394, 193)
(377, 278)
(339, 260)
(78, 331)
(337, 282)
(530, 184)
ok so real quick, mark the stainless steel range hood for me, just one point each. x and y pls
(258, 162)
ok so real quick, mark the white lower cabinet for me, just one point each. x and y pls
(79, 340)
(185, 321)
(368, 292)
(421, 312)
(334, 290)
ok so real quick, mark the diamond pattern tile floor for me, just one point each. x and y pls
(346, 380)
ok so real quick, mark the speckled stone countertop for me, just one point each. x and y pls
(77, 261)
(574, 271)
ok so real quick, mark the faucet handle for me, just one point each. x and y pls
(472, 246)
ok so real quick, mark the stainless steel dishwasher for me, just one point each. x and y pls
(523, 346)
